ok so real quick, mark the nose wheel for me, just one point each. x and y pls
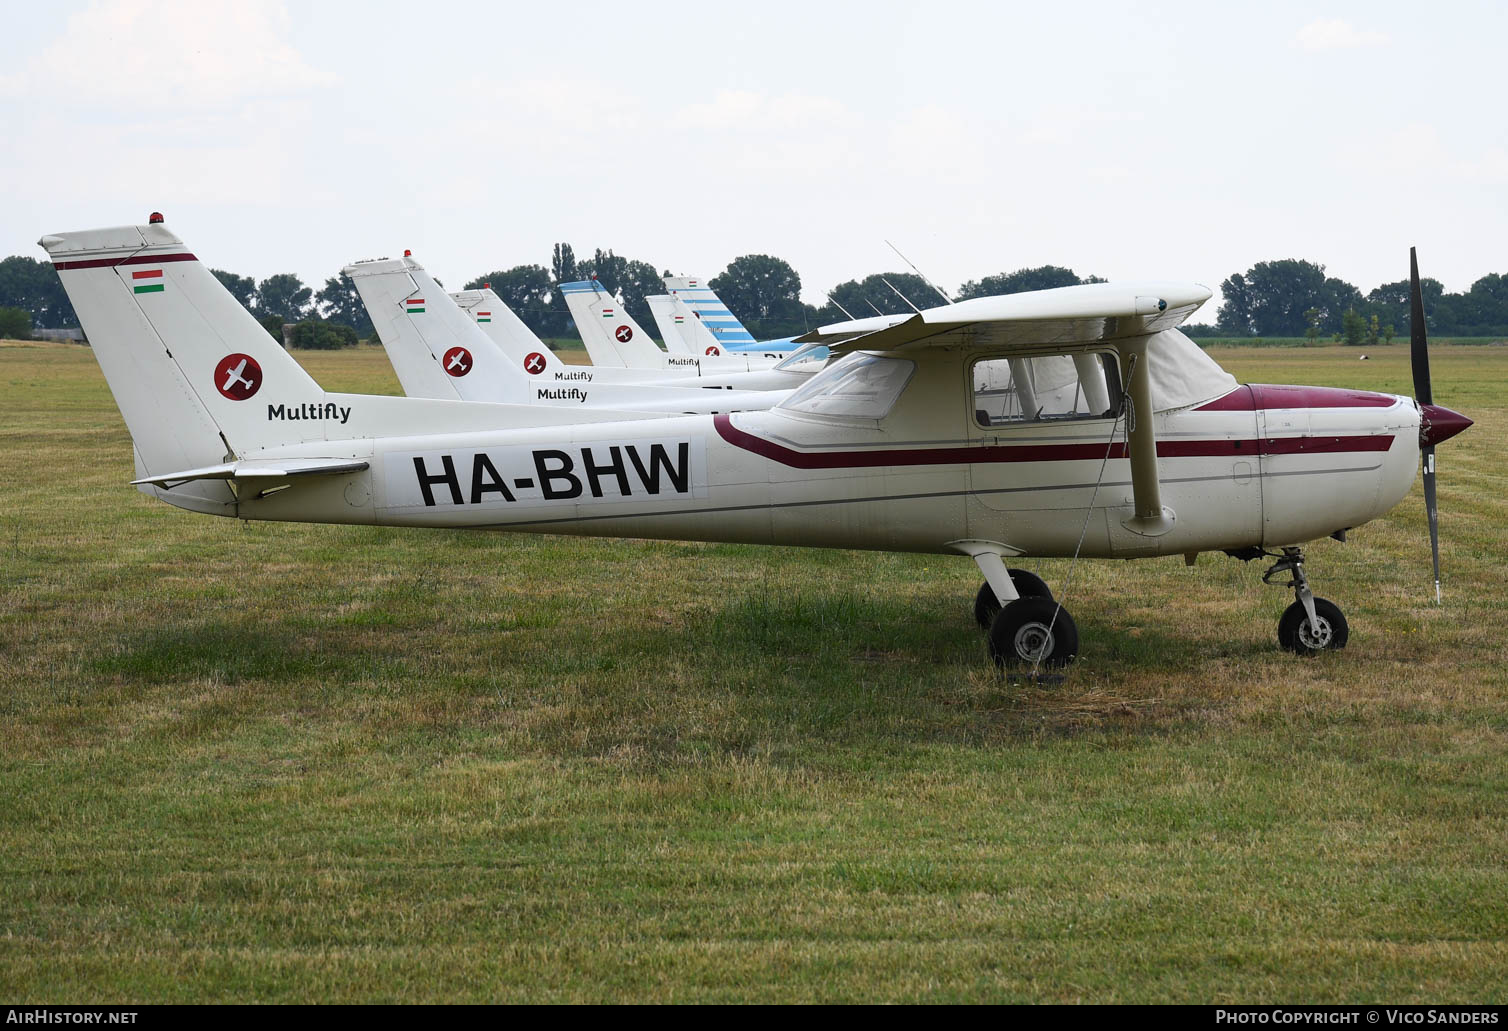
(1310, 625)
(1033, 631)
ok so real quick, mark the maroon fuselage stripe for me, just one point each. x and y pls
(1253, 397)
(141, 259)
(1038, 452)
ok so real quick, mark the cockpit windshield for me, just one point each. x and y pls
(801, 358)
(856, 386)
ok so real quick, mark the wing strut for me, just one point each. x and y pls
(1151, 519)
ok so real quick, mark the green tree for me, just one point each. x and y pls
(315, 334)
(273, 324)
(1353, 327)
(15, 324)
(1044, 277)
(34, 287)
(764, 292)
(526, 290)
(1372, 330)
(863, 297)
(242, 288)
(284, 295)
(563, 264)
(338, 301)
(1483, 310)
(1271, 298)
(1313, 316)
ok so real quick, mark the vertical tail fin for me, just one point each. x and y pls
(612, 337)
(713, 313)
(485, 308)
(193, 373)
(436, 349)
(670, 324)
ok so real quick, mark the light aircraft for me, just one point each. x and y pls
(439, 352)
(519, 342)
(613, 338)
(712, 313)
(1095, 429)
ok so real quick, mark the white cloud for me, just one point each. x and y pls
(170, 55)
(1335, 34)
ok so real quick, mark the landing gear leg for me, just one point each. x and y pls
(1310, 625)
(987, 603)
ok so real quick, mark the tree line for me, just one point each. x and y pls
(1287, 298)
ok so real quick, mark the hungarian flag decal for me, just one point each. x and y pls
(607, 313)
(148, 281)
(484, 316)
(415, 305)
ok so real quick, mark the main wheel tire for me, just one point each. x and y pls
(1031, 628)
(1329, 633)
(1028, 585)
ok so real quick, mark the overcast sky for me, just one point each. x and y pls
(1171, 141)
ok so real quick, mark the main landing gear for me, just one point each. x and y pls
(1031, 629)
(1310, 625)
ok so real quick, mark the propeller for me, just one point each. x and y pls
(1435, 423)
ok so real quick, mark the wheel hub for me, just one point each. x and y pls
(1316, 636)
(1033, 641)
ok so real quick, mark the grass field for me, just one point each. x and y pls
(302, 763)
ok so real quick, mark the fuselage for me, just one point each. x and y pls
(1261, 465)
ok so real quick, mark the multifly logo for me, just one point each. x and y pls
(238, 376)
(534, 363)
(624, 334)
(521, 476)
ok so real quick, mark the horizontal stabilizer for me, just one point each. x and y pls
(259, 469)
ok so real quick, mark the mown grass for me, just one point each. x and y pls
(291, 763)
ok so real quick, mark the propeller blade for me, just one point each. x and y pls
(1433, 513)
(1418, 345)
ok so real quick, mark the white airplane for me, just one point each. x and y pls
(1155, 450)
(519, 342)
(614, 339)
(439, 352)
(719, 320)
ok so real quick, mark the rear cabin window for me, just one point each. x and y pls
(856, 386)
(1013, 391)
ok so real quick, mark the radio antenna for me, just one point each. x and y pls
(940, 291)
(901, 295)
(840, 307)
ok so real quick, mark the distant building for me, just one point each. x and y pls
(76, 335)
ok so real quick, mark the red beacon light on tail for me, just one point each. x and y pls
(155, 218)
(407, 253)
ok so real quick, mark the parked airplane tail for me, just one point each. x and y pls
(181, 355)
(506, 329)
(662, 307)
(679, 323)
(436, 349)
(713, 313)
(612, 337)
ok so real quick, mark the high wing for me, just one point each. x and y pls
(1055, 320)
(258, 469)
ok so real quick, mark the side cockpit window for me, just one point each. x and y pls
(856, 386)
(1013, 391)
